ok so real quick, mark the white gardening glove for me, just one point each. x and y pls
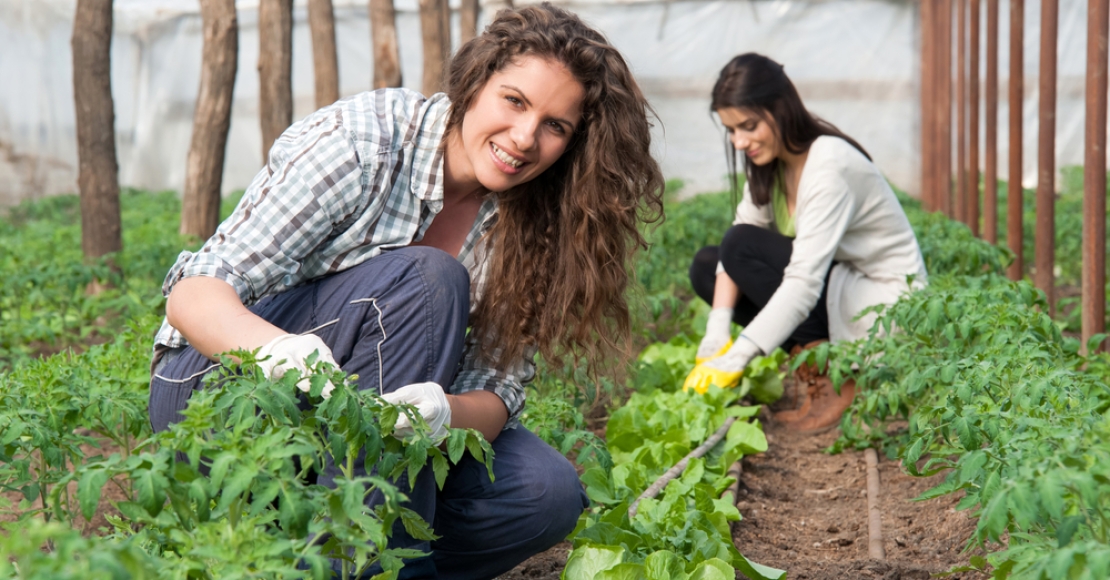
(288, 352)
(430, 400)
(724, 371)
(718, 335)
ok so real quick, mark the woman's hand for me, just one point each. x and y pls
(430, 401)
(480, 410)
(288, 352)
(724, 371)
(718, 335)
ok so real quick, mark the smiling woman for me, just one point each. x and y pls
(386, 225)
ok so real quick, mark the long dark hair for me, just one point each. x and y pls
(758, 84)
(560, 248)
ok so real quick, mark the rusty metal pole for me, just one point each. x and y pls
(944, 116)
(990, 149)
(1044, 242)
(1014, 233)
(1094, 173)
(961, 112)
(972, 211)
(927, 100)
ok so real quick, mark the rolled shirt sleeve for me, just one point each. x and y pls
(508, 384)
(291, 208)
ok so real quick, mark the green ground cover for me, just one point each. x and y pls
(989, 386)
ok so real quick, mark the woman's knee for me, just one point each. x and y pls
(560, 500)
(741, 238)
(441, 272)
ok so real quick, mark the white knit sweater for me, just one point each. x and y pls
(847, 212)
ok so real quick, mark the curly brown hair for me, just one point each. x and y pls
(558, 269)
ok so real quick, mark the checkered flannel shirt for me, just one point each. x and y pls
(353, 179)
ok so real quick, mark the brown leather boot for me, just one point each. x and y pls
(804, 380)
(825, 408)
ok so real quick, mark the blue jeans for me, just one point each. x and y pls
(397, 319)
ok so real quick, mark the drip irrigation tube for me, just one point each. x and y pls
(654, 489)
(874, 520)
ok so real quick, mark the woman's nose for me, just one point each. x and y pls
(739, 142)
(523, 134)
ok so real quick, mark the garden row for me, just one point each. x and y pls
(989, 384)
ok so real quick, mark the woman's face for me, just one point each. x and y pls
(753, 134)
(519, 123)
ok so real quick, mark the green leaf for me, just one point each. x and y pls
(713, 569)
(624, 571)
(587, 562)
(665, 565)
(995, 517)
(1066, 530)
(439, 467)
(88, 490)
(456, 444)
(756, 571)
(747, 437)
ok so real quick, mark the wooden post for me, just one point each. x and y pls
(98, 169)
(1045, 241)
(325, 59)
(445, 26)
(928, 106)
(468, 20)
(204, 167)
(275, 69)
(972, 209)
(437, 42)
(383, 30)
(960, 206)
(990, 149)
(944, 116)
(1014, 233)
(1094, 173)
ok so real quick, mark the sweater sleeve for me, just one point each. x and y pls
(824, 212)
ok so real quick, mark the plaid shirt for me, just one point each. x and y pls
(346, 183)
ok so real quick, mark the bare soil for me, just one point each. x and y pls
(805, 511)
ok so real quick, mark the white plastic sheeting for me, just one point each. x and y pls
(855, 62)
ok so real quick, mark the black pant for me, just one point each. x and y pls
(755, 258)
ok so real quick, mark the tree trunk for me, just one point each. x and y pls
(437, 43)
(383, 32)
(98, 171)
(468, 20)
(325, 61)
(445, 14)
(200, 208)
(275, 69)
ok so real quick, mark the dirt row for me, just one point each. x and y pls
(805, 511)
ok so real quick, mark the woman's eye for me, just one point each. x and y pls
(557, 127)
(513, 100)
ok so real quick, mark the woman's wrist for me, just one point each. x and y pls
(719, 323)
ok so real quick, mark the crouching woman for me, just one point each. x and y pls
(818, 237)
(388, 224)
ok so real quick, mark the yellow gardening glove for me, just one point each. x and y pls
(722, 351)
(725, 370)
(704, 375)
